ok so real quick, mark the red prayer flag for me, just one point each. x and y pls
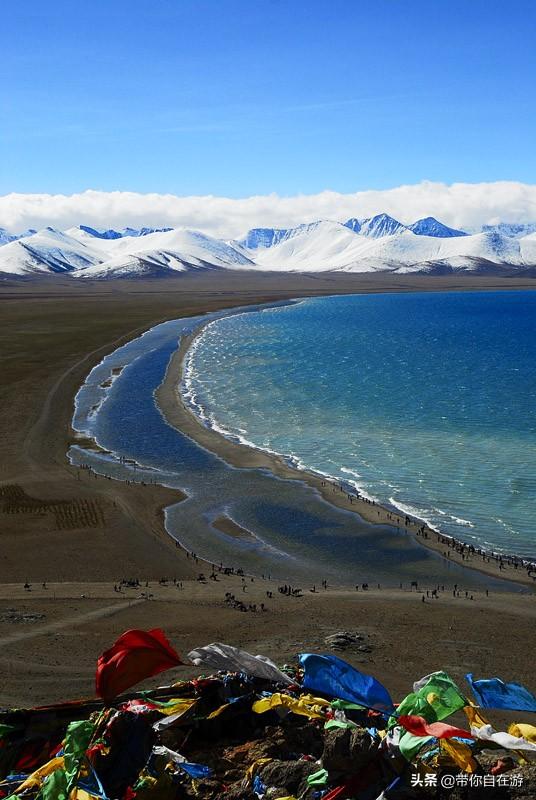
(136, 655)
(440, 730)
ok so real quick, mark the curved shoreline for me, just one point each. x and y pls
(179, 415)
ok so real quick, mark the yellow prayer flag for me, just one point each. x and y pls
(37, 777)
(474, 717)
(251, 770)
(179, 704)
(306, 705)
(524, 731)
(460, 754)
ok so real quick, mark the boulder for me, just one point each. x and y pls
(288, 776)
(343, 640)
(347, 749)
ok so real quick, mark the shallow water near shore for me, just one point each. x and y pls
(426, 402)
(295, 534)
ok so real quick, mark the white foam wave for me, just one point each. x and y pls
(461, 521)
(421, 514)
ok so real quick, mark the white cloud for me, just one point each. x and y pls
(464, 205)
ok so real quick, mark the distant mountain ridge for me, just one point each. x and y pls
(112, 234)
(515, 229)
(378, 243)
(374, 227)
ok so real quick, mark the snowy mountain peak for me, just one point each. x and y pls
(375, 227)
(6, 236)
(354, 224)
(270, 237)
(430, 226)
(143, 231)
(108, 234)
(513, 229)
(113, 234)
(381, 225)
(262, 237)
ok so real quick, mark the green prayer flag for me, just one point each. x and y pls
(319, 778)
(75, 745)
(59, 784)
(409, 745)
(435, 700)
(339, 723)
(55, 787)
(344, 705)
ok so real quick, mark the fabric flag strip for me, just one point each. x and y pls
(168, 721)
(461, 754)
(194, 770)
(436, 699)
(224, 657)
(59, 783)
(523, 731)
(495, 693)
(418, 726)
(409, 745)
(488, 734)
(174, 707)
(136, 655)
(38, 776)
(336, 678)
(306, 705)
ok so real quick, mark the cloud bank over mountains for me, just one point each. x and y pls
(460, 205)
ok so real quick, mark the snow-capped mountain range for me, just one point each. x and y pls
(375, 244)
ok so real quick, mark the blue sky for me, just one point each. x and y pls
(237, 98)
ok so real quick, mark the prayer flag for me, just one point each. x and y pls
(333, 676)
(435, 700)
(523, 730)
(418, 726)
(224, 656)
(461, 754)
(495, 693)
(136, 655)
(306, 705)
(409, 745)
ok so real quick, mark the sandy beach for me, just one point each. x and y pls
(81, 535)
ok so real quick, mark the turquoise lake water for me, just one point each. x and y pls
(424, 401)
(293, 533)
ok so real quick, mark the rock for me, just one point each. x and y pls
(13, 616)
(344, 640)
(288, 776)
(347, 749)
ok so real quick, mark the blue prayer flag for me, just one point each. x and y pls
(333, 676)
(494, 693)
(195, 770)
